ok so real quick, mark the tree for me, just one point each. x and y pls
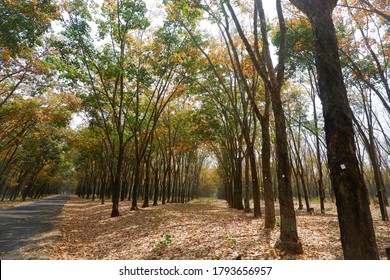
(23, 22)
(369, 142)
(365, 51)
(33, 143)
(109, 71)
(356, 225)
(300, 66)
(167, 67)
(273, 78)
(22, 26)
(376, 7)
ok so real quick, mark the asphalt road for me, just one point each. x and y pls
(19, 224)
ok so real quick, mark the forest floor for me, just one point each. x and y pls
(202, 229)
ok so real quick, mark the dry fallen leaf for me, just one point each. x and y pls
(201, 229)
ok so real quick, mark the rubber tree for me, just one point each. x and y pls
(356, 225)
(273, 79)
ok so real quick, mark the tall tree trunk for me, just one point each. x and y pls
(356, 225)
(299, 166)
(321, 189)
(247, 208)
(273, 80)
(270, 219)
(117, 183)
(289, 240)
(300, 205)
(255, 182)
(164, 185)
(147, 183)
(137, 183)
(5, 193)
(304, 187)
(375, 160)
(237, 192)
(95, 184)
(103, 180)
(369, 142)
(169, 184)
(156, 183)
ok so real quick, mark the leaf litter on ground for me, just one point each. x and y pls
(203, 229)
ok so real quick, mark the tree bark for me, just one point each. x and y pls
(269, 203)
(356, 225)
(288, 241)
(147, 183)
(137, 183)
(156, 183)
(247, 208)
(164, 184)
(255, 182)
(117, 184)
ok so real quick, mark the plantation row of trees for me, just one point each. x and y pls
(210, 93)
(313, 63)
(170, 171)
(34, 117)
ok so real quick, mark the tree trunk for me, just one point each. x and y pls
(237, 196)
(378, 179)
(321, 189)
(255, 182)
(356, 225)
(269, 202)
(299, 166)
(147, 183)
(156, 183)
(5, 193)
(273, 81)
(169, 184)
(137, 182)
(117, 185)
(247, 208)
(372, 150)
(164, 186)
(304, 187)
(288, 233)
(300, 204)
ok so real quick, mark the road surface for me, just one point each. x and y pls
(19, 225)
